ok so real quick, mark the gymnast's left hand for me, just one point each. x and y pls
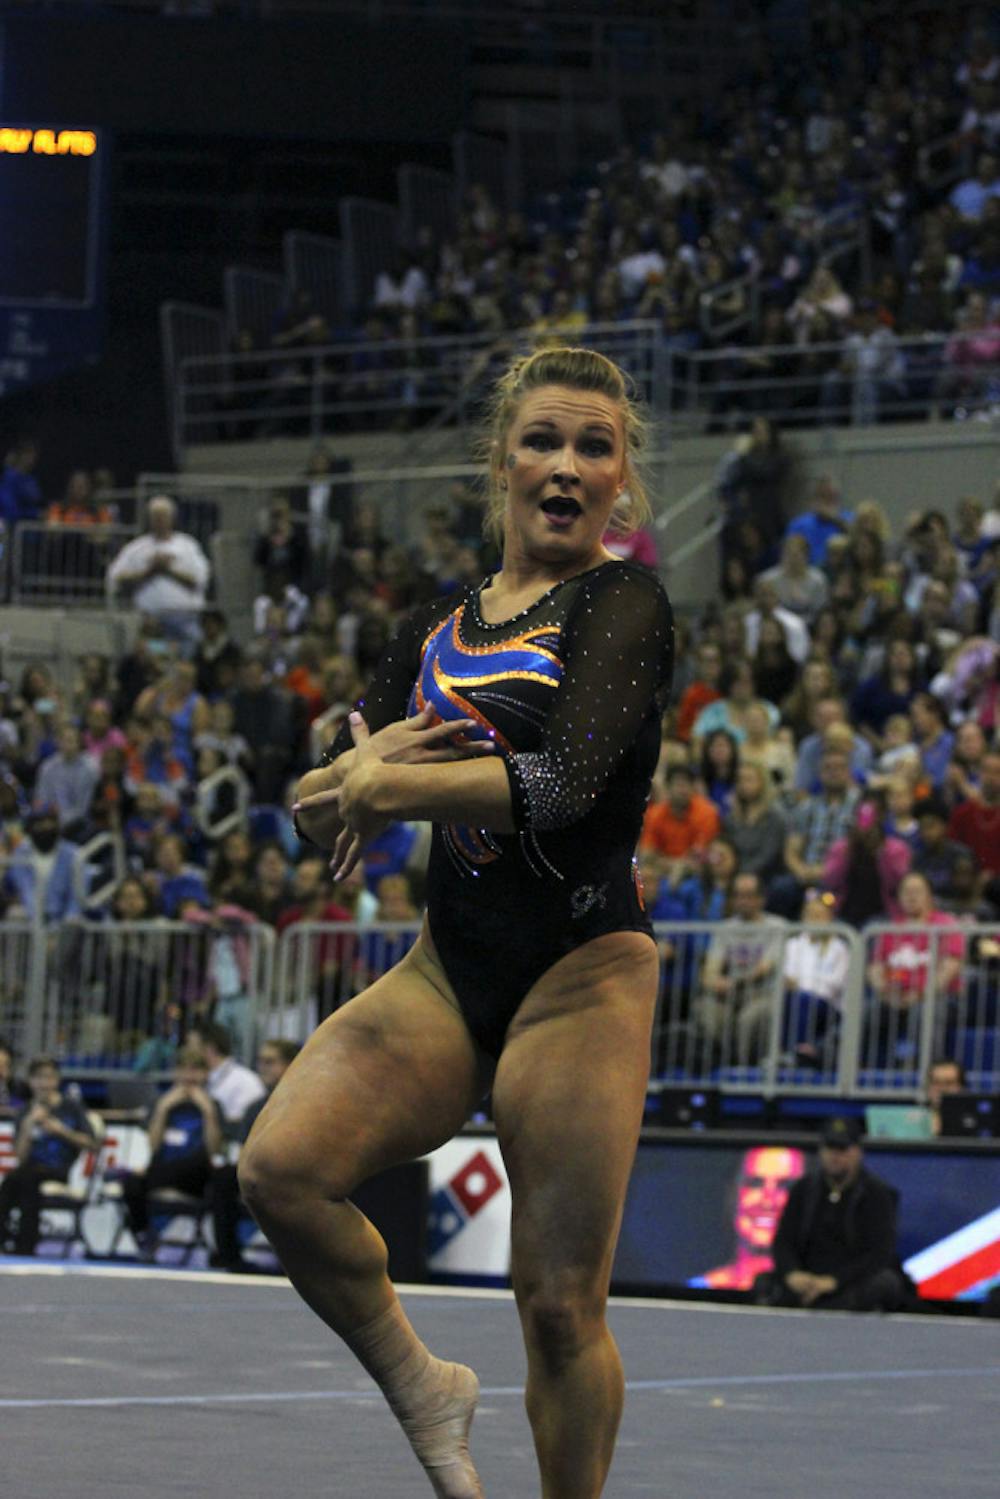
(353, 801)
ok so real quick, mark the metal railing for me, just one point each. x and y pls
(57, 564)
(365, 386)
(753, 1007)
(831, 384)
(107, 997)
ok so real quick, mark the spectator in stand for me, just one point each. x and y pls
(738, 977)
(175, 697)
(20, 494)
(936, 855)
(221, 737)
(168, 574)
(231, 1085)
(684, 823)
(863, 870)
(331, 957)
(51, 1133)
(823, 294)
(177, 880)
(900, 821)
(774, 669)
(753, 827)
(148, 821)
(773, 749)
(281, 552)
(100, 733)
(814, 827)
(66, 780)
(719, 759)
(826, 712)
(39, 879)
(701, 893)
(900, 973)
(799, 587)
(971, 356)
(79, 507)
(971, 196)
(270, 720)
(149, 758)
(755, 483)
(185, 1132)
(351, 893)
(870, 372)
(934, 739)
(766, 610)
(271, 893)
(888, 691)
(823, 519)
(231, 879)
(976, 821)
(963, 777)
(217, 659)
(703, 690)
(818, 680)
(637, 546)
(969, 901)
(729, 712)
(815, 970)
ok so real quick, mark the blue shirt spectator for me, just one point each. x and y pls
(20, 495)
(823, 519)
(67, 780)
(40, 873)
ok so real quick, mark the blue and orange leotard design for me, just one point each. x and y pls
(457, 681)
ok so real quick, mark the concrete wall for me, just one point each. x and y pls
(906, 467)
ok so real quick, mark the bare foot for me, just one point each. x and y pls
(437, 1422)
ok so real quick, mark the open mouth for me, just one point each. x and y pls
(561, 510)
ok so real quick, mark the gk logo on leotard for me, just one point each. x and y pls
(586, 897)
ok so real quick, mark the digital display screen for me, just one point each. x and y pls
(703, 1216)
(49, 206)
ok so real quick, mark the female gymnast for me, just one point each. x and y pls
(522, 719)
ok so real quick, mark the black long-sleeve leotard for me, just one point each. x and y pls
(571, 689)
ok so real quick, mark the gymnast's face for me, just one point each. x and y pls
(563, 467)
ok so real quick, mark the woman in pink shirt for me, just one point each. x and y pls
(908, 968)
(863, 871)
(99, 732)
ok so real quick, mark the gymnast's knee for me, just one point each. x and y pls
(278, 1183)
(561, 1318)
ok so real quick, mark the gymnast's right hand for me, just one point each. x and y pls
(425, 740)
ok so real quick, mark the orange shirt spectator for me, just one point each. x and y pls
(683, 822)
(78, 515)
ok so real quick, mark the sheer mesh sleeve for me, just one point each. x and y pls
(388, 694)
(619, 649)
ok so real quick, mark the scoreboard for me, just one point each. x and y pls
(53, 235)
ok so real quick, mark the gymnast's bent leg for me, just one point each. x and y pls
(568, 1101)
(390, 1076)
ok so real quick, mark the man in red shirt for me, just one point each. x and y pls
(976, 822)
(684, 822)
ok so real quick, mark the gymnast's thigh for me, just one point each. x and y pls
(392, 1074)
(568, 1101)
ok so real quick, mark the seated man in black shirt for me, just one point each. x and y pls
(835, 1245)
(51, 1132)
(185, 1131)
